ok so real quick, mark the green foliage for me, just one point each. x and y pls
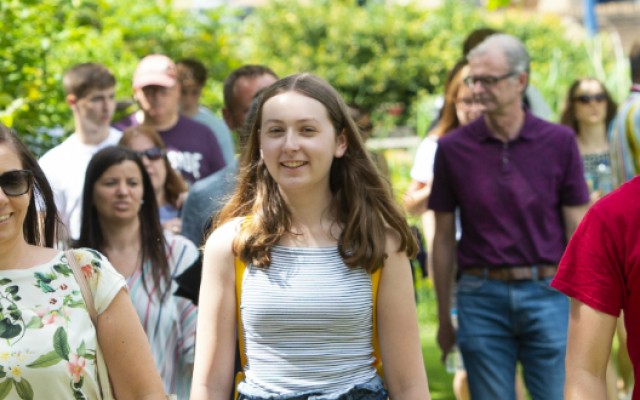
(381, 53)
(399, 54)
(41, 39)
(387, 56)
(560, 55)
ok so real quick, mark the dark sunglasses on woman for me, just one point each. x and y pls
(153, 154)
(587, 98)
(16, 183)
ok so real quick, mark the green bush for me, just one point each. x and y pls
(389, 54)
(41, 39)
(391, 58)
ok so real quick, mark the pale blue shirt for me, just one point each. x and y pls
(221, 132)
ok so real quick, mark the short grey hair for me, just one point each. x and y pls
(512, 48)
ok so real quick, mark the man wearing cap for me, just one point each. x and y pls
(518, 184)
(191, 146)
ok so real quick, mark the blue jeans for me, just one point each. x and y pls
(503, 322)
(372, 390)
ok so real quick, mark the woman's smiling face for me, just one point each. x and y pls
(298, 142)
(13, 209)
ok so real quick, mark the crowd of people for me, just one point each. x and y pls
(262, 254)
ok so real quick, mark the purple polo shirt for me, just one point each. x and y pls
(510, 195)
(192, 148)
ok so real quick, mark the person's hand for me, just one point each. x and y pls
(173, 225)
(446, 338)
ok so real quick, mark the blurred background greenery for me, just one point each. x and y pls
(391, 58)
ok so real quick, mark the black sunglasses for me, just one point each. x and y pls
(16, 183)
(487, 80)
(154, 153)
(587, 98)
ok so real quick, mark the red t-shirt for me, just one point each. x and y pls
(601, 266)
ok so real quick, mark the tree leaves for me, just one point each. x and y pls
(42, 39)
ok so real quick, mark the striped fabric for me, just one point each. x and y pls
(307, 321)
(624, 139)
(171, 325)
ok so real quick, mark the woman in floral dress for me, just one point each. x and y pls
(47, 340)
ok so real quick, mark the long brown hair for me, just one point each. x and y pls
(174, 185)
(362, 203)
(153, 247)
(448, 116)
(568, 117)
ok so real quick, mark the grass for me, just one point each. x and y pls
(400, 161)
(439, 380)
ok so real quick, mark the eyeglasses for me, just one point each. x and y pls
(487, 80)
(16, 183)
(153, 154)
(587, 98)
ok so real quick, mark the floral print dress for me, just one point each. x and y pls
(47, 339)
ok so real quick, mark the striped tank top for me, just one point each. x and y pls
(307, 321)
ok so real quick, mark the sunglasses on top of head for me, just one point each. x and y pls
(587, 98)
(16, 183)
(154, 153)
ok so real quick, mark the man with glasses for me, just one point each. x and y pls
(90, 93)
(518, 183)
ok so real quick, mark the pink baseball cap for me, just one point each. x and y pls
(155, 69)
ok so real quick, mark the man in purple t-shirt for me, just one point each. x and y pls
(191, 147)
(518, 183)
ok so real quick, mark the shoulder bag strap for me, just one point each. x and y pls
(84, 286)
(375, 284)
(240, 268)
(103, 375)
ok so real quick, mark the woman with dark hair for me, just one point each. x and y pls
(311, 225)
(120, 218)
(169, 187)
(49, 342)
(589, 110)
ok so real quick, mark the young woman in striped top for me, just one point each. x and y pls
(312, 220)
